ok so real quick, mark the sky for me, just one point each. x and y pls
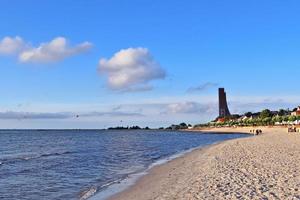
(101, 63)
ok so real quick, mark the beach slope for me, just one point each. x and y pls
(257, 167)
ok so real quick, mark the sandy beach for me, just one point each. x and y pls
(258, 167)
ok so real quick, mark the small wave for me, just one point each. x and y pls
(55, 154)
(28, 157)
(88, 193)
(45, 155)
(112, 182)
(31, 157)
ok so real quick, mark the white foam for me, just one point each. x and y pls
(117, 187)
(87, 194)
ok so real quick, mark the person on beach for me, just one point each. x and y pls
(257, 131)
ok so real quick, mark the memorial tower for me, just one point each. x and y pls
(223, 107)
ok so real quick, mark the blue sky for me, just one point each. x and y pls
(152, 52)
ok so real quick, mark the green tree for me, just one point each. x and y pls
(274, 119)
(248, 114)
(282, 112)
(285, 118)
(292, 118)
(265, 113)
(267, 120)
(277, 119)
(183, 124)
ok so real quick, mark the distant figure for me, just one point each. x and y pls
(292, 129)
(257, 132)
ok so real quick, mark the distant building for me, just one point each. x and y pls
(221, 120)
(244, 118)
(297, 112)
(223, 107)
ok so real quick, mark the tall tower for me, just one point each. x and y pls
(223, 107)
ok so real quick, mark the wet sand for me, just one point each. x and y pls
(258, 167)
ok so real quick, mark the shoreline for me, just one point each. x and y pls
(132, 179)
(195, 175)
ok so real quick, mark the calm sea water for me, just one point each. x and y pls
(55, 164)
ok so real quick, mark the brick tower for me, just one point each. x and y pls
(223, 107)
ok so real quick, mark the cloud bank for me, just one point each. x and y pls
(13, 115)
(53, 51)
(189, 108)
(32, 115)
(203, 87)
(131, 70)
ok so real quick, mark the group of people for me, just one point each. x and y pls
(292, 130)
(256, 131)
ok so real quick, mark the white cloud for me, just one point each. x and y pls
(53, 51)
(189, 108)
(12, 46)
(131, 70)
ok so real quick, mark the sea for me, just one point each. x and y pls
(86, 164)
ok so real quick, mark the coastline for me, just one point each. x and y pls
(244, 167)
(132, 179)
(129, 181)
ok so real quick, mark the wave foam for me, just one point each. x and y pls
(88, 193)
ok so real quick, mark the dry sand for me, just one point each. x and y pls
(258, 167)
